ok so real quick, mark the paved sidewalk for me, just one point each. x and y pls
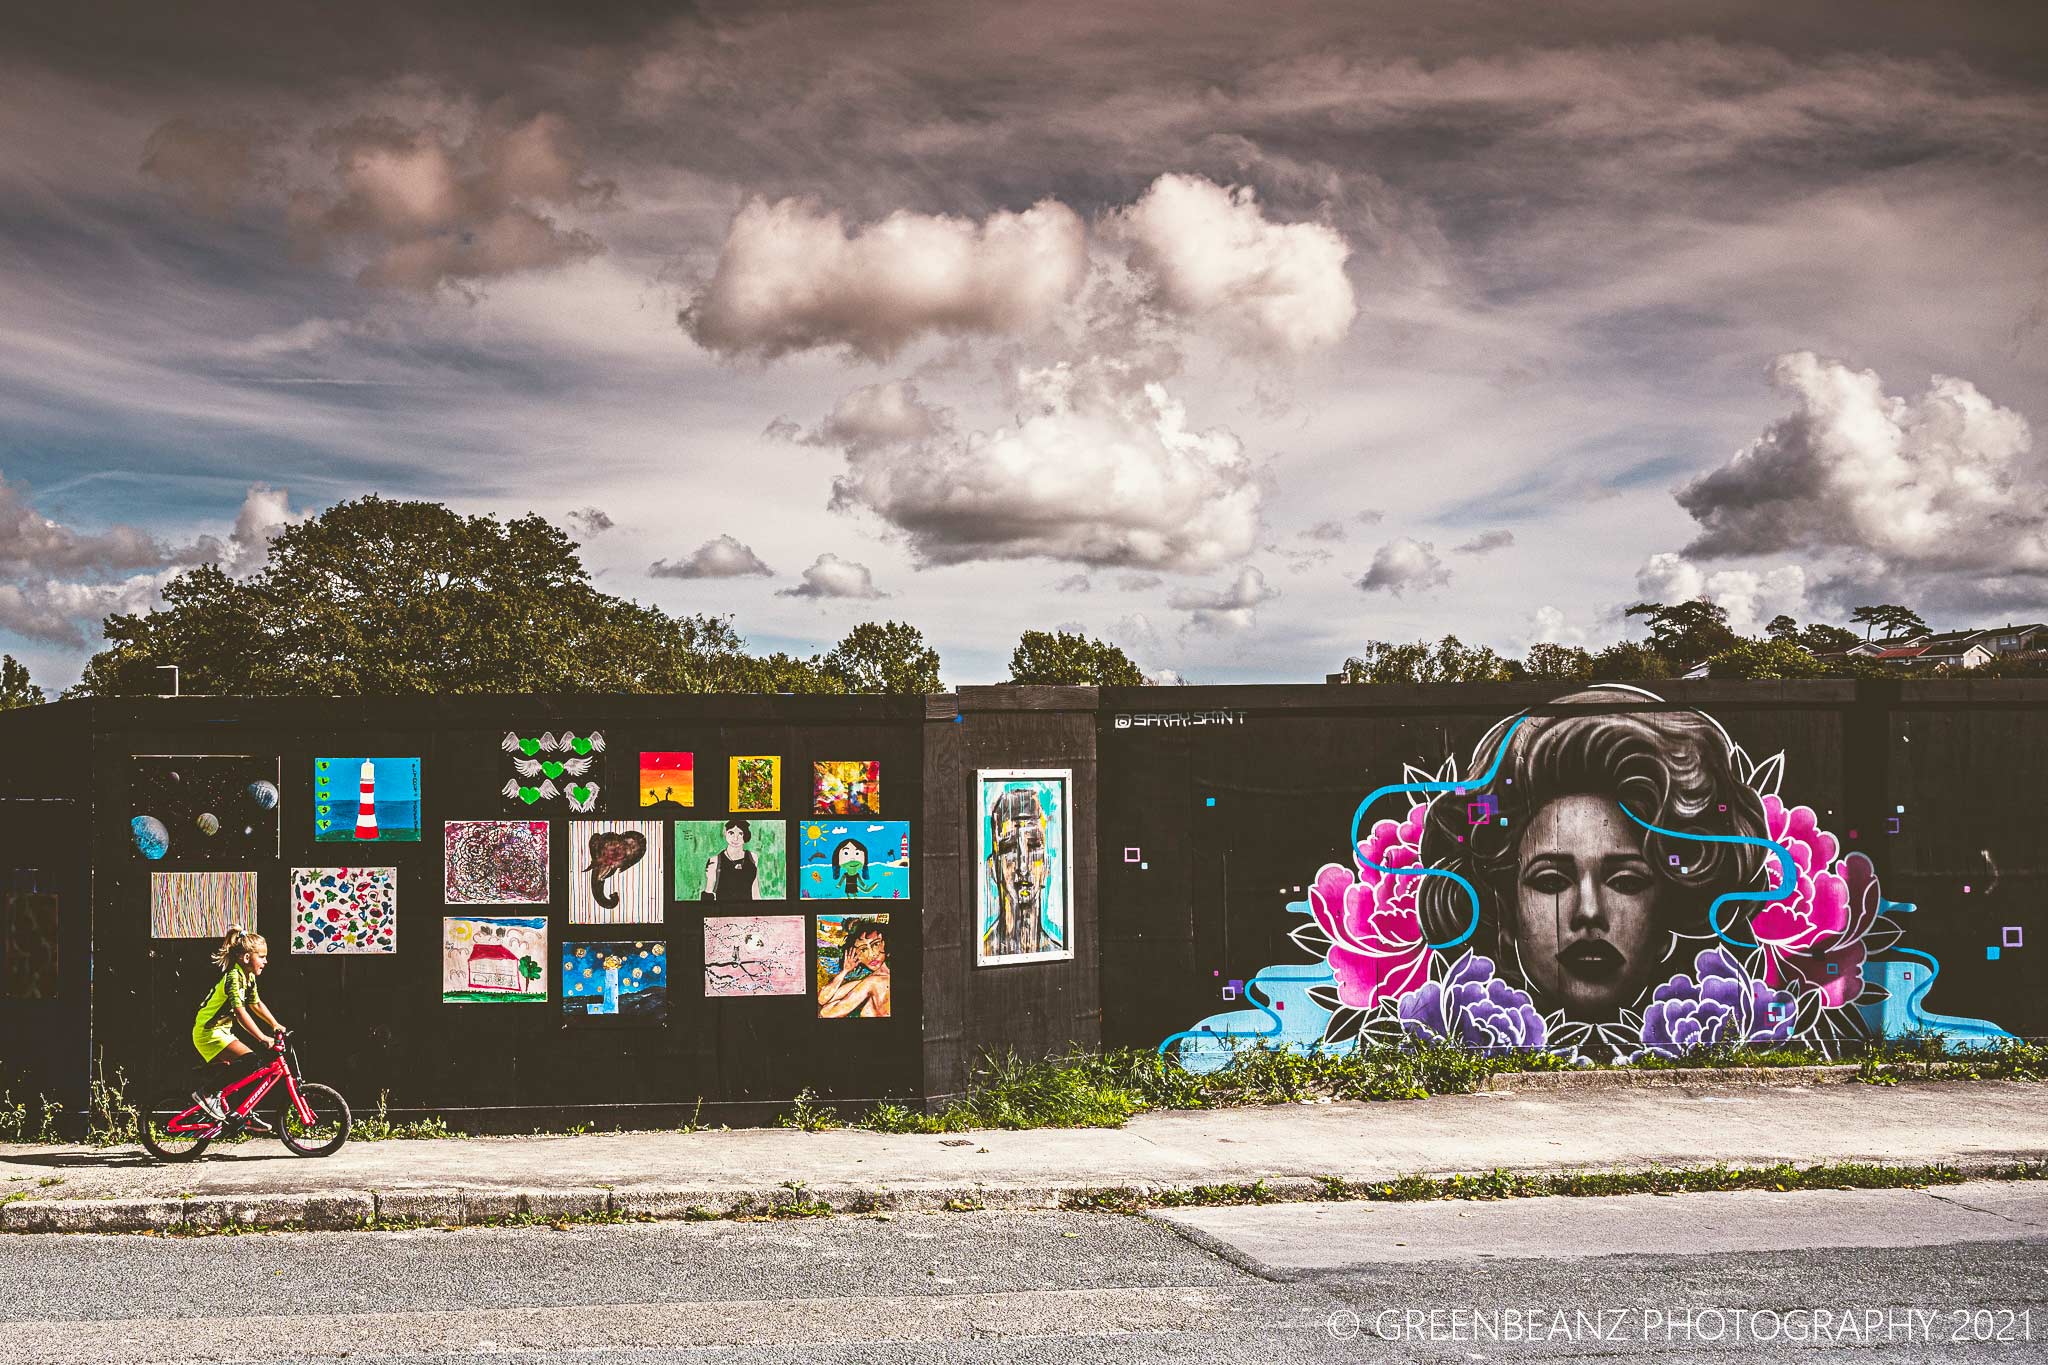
(1976, 1126)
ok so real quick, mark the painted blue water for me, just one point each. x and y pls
(890, 881)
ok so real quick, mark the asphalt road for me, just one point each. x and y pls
(1900, 1275)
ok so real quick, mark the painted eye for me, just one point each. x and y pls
(1548, 881)
(1629, 883)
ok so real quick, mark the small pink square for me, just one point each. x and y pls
(1131, 855)
(2011, 936)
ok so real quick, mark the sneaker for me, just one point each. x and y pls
(212, 1106)
(252, 1124)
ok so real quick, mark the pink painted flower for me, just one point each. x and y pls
(1816, 934)
(1377, 950)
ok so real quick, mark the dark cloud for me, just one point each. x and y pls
(1485, 543)
(1325, 531)
(590, 521)
(1073, 582)
(724, 557)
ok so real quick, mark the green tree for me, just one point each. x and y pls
(377, 597)
(1629, 661)
(1765, 659)
(1890, 618)
(1448, 660)
(1782, 627)
(15, 687)
(1826, 639)
(529, 970)
(1070, 657)
(888, 658)
(1688, 632)
(1550, 662)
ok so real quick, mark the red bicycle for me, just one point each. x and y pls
(311, 1120)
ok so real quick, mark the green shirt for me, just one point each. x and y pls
(236, 988)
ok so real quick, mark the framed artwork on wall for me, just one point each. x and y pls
(1024, 890)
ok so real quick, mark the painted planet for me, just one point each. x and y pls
(208, 823)
(264, 794)
(152, 840)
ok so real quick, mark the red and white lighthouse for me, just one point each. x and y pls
(366, 803)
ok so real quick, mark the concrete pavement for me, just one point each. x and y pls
(1976, 1126)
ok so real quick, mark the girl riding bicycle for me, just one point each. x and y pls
(226, 1059)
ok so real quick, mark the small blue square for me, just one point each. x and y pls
(1991, 953)
(1210, 801)
(1833, 968)
(1503, 819)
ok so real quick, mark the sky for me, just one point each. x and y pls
(1235, 334)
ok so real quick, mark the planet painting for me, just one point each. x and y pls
(205, 808)
(152, 840)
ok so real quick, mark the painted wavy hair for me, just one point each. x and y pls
(1672, 768)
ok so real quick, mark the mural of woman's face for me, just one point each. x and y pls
(735, 841)
(1586, 906)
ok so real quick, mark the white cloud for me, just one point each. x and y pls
(1214, 256)
(792, 277)
(1750, 598)
(58, 612)
(32, 544)
(1404, 563)
(1138, 582)
(1102, 470)
(1548, 625)
(264, 512)
(1943, 482)
(1234, 607)
(1325, 530)
(1073, 582)
(832, 576)
(1485, 543)
(724, 557)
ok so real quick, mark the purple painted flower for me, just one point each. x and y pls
(1473, 1008)
(1726, 1006)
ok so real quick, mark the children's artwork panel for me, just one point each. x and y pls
(668, 781)
(1024, 897)
(751, 955)
(739, 858)
(366, 800)
(615, 981)
(496, 862)
(853, 967)
(615, 874)
(494, 959)
(548, 773)
(344, 910)
(200, 904)
(855, 860)
(754, 784)
(846, 788)
(202, 808)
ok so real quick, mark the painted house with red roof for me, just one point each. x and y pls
(494, 967)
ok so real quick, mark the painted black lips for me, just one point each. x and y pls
(1593, 960)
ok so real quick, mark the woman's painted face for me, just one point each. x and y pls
(1586, 901)
(868, 951)
(735, 842)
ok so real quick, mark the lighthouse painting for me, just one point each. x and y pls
(367, 799)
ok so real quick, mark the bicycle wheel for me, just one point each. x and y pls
(174, 1128)
(330, 1125)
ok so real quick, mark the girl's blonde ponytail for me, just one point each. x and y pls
(231, 946)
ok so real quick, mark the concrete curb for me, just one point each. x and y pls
(348, 1210)
(1689, 1078)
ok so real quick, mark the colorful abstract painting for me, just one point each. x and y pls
(496, 862)
(756, 784)
(344, 909)
(754, 955)
(853, 966)
(549, 771)
(855, 860)
(735, 859)
(1024, 894)
(668, 781)
(614, 981)
(28, 938)
(366, 799)
(846, 788)
(202, 808)
(615, 872)
(494, 960)
(200, 904)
